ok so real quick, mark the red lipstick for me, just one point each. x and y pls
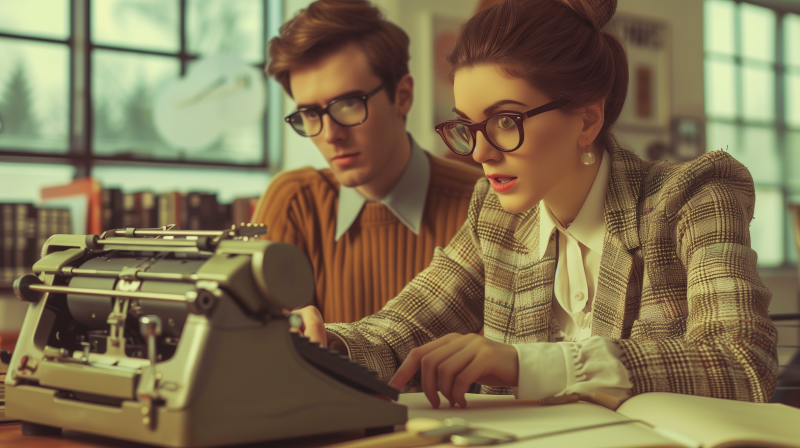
(502, 183)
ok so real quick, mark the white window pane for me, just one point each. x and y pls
(227, 26)
(34, 96)
(143, 24)
(758, 32)
(722, 136)
(122, 94)
(758, 96)
(720, 89)
(792, 165)
(26, 17)
(792, 98)
(718, 26)
(766, 230)
(791, 39)
(23, 182)
(759, 153)
(228, 185)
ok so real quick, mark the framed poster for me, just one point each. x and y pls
(647, 43)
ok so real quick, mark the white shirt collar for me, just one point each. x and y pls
(406, 200)
(589, 226)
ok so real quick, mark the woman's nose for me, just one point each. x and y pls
(484, 151)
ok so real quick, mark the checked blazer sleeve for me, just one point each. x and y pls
(719, 340)
(446, 297)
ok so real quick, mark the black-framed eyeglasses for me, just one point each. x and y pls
(348, 111)
(503, 131)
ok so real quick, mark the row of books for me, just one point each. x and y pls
(84, 207)
(24, 228)
(111, 208)
(187, 211)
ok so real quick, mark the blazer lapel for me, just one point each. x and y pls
(619, 286)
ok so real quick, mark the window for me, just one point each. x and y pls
(133, 87)
(752, 102)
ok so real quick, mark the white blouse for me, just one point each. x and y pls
(575, 361)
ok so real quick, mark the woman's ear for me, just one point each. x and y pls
(593, 118)
(404, 95)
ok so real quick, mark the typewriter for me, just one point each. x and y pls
(178, 338)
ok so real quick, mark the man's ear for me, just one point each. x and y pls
(404, 95)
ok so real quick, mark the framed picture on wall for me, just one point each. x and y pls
(647, 43)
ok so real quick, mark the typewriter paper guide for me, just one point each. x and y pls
(224, 373)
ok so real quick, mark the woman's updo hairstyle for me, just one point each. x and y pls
(557, 46)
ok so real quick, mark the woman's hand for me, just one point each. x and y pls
(313, 326)
(452, 363)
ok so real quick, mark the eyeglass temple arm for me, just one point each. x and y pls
(545, 108)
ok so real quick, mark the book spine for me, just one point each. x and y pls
(7, 237)
(129, 210)
(193, 218)
(149, 215)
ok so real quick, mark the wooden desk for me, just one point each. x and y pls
(11, 436)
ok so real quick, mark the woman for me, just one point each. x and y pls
(592, 272)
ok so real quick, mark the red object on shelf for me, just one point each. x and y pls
(82, 187)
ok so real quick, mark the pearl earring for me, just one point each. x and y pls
(587, 158)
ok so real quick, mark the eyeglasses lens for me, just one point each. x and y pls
(503, 132)
(458, 137)
(349, 111)
(306, 122)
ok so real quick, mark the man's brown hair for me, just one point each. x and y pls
(326, 26)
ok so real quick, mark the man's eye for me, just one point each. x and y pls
(350, 102)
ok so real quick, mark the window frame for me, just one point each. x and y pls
(779, 125)
(80, 142)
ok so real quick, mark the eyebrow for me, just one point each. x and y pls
(344, 95)
(488, 111)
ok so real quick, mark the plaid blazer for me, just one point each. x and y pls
(678, 286)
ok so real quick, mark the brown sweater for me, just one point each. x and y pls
(378, 255)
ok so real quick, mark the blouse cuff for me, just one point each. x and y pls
(590, 368)
(596, 372)
(542, 370)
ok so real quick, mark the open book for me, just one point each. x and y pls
(654, 420)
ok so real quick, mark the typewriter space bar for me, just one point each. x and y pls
(342, 368)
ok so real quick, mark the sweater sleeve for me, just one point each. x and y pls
(728, 349)
(446, 297)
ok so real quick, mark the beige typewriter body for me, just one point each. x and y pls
(233, 374)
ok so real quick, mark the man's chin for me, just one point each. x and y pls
(350, 178)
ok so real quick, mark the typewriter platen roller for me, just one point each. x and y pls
(180, 339)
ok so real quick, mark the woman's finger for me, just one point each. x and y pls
(411, 364)
(430, 364)
(449, 369)
(477, 367)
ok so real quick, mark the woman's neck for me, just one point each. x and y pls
(566, 199)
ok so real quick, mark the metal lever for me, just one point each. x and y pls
(150, 328)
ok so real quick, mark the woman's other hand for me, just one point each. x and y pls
(452, 363)
(313, 326)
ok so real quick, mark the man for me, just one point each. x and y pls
(371, 221)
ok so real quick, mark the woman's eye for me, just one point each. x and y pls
(505, 123)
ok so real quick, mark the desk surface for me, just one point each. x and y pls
(11, 436)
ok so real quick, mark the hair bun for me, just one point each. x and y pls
(596, 12)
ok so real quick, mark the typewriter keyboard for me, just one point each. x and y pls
(342, 368)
